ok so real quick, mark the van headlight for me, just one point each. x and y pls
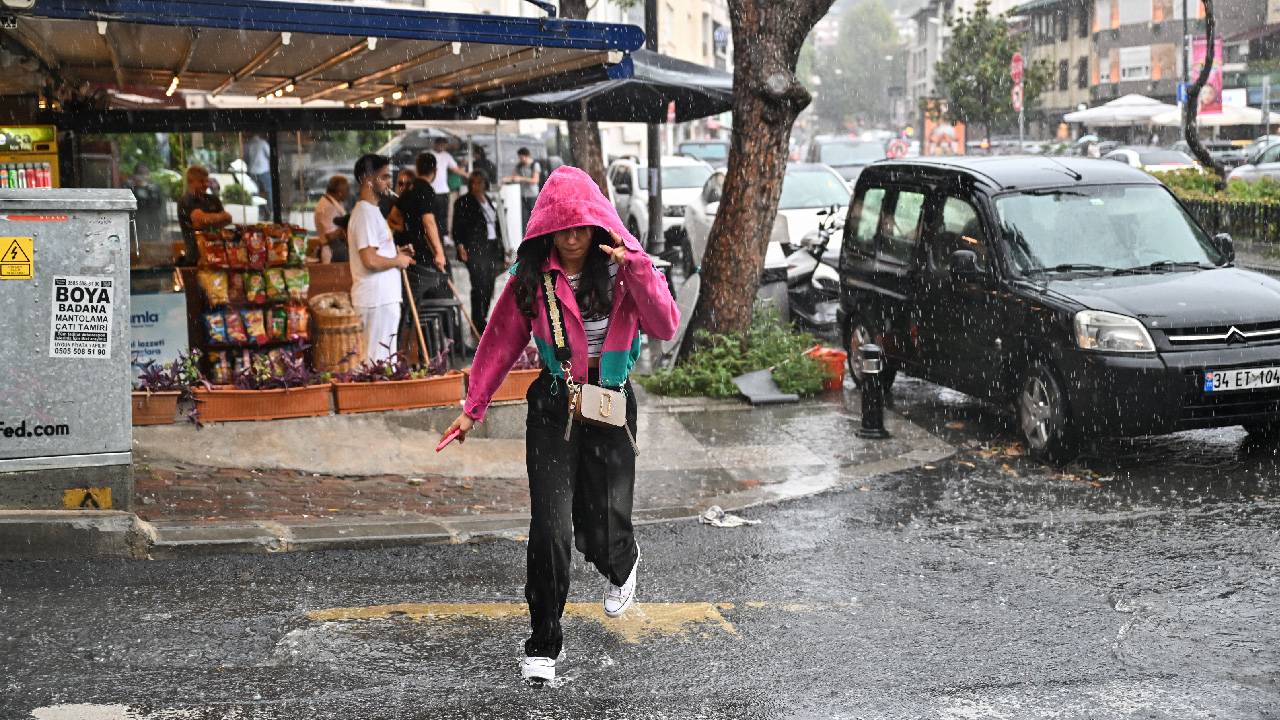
(1109, 332)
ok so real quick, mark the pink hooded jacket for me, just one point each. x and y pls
(641, 299)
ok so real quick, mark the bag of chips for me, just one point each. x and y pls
(237, 256)
(220, 367)
(235, 287)
(255, 325)
(256, 241)
(216, 325)
(278, 323)
(276, 359)
(255, 288)
(298, 280)
(299, 322)
(277, 289)
(214, 284)
(297, 245)
(213, 251)
(279, 252)
(235, 328)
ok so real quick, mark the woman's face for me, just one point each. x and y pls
(573, 244)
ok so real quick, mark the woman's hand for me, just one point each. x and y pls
(618, 252)
(463, 424)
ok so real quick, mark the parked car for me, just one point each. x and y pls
(1224, 151)
(844, 154)
(1266, 163)
(682, 180)
(1152, 159)
(1078, 292)
(808, 190)
(713, 152)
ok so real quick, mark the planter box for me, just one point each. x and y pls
(398, 394)
(225, 404)
(157, 408)
(514, 386)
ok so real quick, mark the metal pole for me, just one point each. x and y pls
(1186, 61)
(273, 144)
(1021, 123)
(656, 244)
(1266, 105)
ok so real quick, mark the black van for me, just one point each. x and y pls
(1079, 292)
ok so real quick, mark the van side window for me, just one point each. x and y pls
(901, 230)
(961, 229)
(867, 211)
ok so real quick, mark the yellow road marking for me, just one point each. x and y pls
(642, 621)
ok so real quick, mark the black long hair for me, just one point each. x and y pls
(595, 291)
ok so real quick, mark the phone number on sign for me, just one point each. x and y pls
(84, 351)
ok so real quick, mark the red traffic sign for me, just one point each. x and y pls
(1015, 67)
(1015, 97)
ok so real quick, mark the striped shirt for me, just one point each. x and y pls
(596, 326)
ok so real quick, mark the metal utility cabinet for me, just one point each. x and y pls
(65, 412)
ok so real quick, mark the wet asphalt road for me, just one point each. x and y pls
(1139, 583)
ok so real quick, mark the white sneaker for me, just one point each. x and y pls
(618, 599)
(538, 669)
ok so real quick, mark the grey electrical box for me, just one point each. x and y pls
(65, 413)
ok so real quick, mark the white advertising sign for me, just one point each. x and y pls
(80, 324)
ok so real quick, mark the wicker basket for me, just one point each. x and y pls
(224, 404)
(399, 394)
(155, 408)
(337, 340)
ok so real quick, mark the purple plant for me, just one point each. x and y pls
(290, 371)
(396, 367)
(528, 360)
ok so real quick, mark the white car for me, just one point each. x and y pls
(682, 180)
(1152, 159)
(807, 189)
(1264, 164)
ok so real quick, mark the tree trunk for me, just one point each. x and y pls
(1192, 106)
(767, 37)
(584, 137)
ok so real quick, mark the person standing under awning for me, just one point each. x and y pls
(375, 261)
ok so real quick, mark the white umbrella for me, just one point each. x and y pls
(1230, 115)
(1124, 111)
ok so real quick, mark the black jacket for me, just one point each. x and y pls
(471, 231)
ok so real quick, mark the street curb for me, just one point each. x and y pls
(70, 534)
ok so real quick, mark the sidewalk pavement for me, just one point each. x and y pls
(348, 481)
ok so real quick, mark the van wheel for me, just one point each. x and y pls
(859, 335)
(1044, 419)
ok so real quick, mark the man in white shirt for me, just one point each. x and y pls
(257, 156)
(445, 164)
(375, 261)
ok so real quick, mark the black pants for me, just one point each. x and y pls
(441, 214)
(580, 492)
(483, 270)
(526, 210)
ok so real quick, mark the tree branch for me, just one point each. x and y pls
(1192, 106)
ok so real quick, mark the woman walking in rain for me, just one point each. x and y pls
(580, 444)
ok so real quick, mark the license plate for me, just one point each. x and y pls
(1242, 379)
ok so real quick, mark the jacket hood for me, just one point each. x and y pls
(572, 199)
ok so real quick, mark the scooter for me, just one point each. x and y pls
(813, 277)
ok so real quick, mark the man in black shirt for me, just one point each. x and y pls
(198, 210)
(414, 215)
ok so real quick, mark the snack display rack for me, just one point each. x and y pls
(255, 284)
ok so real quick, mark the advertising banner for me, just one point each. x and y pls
(1211, 93)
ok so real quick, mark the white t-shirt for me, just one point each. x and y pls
(444, 161)
(367, 228)
(257, 154)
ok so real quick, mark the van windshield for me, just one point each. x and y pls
(1104, 229)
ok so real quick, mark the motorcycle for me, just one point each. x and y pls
(813, 276)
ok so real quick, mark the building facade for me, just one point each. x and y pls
(929, 43)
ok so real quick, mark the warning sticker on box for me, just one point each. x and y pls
(80, 324)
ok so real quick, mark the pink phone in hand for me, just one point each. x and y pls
(448, 439)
